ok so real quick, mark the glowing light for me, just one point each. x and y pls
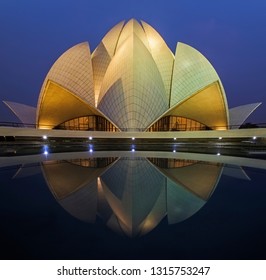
(44, 137)
(45, 150)
(90, 138)
(90, 148)
(218, 154)
(220, 138)
(133, 138)
(254, 137)
(174, 151)
(153, 42)
(133, 150)
(174, 138)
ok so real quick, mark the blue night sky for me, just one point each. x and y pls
(231, 34)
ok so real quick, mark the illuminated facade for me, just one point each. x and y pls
(133, 82)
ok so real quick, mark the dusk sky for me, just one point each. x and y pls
(231, 34)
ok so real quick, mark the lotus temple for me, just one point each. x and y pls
(132, 87)
(132, 82)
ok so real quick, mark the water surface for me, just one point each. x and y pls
(132, 205)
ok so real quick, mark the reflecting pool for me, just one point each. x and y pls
(126, 205)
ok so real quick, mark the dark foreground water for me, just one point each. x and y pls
(132, 206)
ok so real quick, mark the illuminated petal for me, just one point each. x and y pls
(132, 27)
(161, 54)
(132, 93)
(206, 106)
(192, 72)
(59, 105)
(73, 71)
(102, 56)
(27, 114)
(239, 114)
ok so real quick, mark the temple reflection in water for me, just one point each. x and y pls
(131, 194)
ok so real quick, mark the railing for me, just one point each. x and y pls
(17, 124)
(246, 125)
